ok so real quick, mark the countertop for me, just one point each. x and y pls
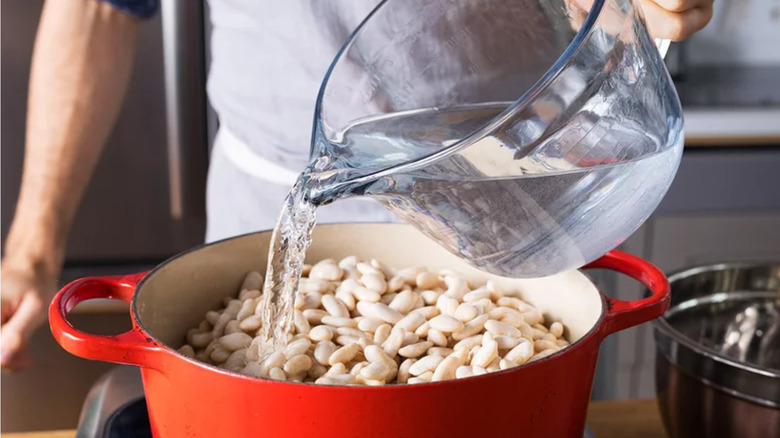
(607, 419)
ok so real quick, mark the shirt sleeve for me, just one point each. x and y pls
(141, 9)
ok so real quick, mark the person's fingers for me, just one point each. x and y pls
(681, 5)
(675, 26)
(15, 332)
(18, 361)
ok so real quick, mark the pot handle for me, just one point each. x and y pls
(131, 348)
(623, 314)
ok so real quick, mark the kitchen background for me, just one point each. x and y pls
(146, 199)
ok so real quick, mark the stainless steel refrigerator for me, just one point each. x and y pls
(146, 199)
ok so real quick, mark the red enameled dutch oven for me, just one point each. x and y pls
(546, 398)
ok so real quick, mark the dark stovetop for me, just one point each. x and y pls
(732, 87)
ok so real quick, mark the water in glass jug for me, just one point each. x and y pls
(528, 137)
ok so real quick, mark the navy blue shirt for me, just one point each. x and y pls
(137, 8)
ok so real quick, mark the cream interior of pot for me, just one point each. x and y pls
(176, 296)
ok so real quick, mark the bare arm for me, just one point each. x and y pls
(80, 68)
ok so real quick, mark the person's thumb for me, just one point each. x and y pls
(19, 327)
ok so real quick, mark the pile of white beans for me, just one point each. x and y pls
(362, 323)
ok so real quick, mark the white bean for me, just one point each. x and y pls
(277, 374)
(512, 317)
(463, 371)
(415, 350)
(403, 302)
(232, 327)
(337, 369)
(201, 340)
(316, 371)
(521, 353)
(296, 347)
(301, 323)
(376, 371)
(348, 262)
(468, 343)
(476, 295)
(386, 271)
(500, 329)
(252, 281)
(456, 287)
(411, 322)
(367, 294)
(403, 370)
(466, 312)
(379, 311)
(337, 321)
(533, 316)
(471, 328)
(375, 282)
(326, 270)
(447, 305)
(344, 354)
(446, 369)
(297, 364)
(337, 379)
(382, 333)
(446, 324)
(422, 331)
(309, 285)
(334, 306)
(428, 312)
(507, 342)
(395, 284)
(347, 298)
(252, 369)
(486, 354)
(347, 340)
(366, 269)
(321, 333)
(542, 345)
(394, 342)
(235, 341)
(247, 309)
(247, 294)
(323, 351)
(440, 351)
(186, 350)
(250, 324)
(409, 338)
(427, 363)
(427, 280)
(314, 316)
(219, 355)
(430, 297)
(311, 301)
(437, 338)
(556, 329)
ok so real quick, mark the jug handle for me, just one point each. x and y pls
(132, 347)
(622, 314)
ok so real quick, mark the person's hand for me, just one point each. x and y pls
(676, 20)
(26, 292)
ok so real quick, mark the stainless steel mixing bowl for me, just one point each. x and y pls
(718, 352)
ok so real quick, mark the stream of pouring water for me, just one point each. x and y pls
(291, 237)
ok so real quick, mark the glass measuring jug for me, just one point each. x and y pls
(527, 136)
